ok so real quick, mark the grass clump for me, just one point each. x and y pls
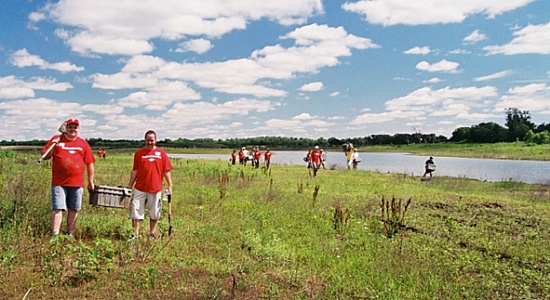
(245, 233)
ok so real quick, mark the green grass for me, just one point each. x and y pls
(243, 233)
(518, 150)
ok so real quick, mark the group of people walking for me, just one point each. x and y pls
(315, 159)
(72, 157)
(254, 157)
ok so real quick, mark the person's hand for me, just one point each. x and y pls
(91, 187)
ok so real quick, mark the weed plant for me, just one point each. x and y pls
(245, 233)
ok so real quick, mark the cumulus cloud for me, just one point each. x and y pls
(418, 50)
(532, 39)
(435, 80)
(474, 37)
(198, 45)
(22, 58)
(459, 51)
(129, 29)
(531, 97)
(441, 66)
(455, 102)
(420, 12)
(316, 46)
(13, 88)
(312, 87)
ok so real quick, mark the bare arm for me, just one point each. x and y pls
(91, 173)
(133, 177)
(168, 178)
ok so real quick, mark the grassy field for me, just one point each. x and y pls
(244, 233)
(519, 150)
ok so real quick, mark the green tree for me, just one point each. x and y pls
(487, 133)
(461, 134)
(518, 123)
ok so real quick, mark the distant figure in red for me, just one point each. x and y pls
(257, 157)
(241, 156)
(233, 157)
(101, 153)
(315, 157)
(267, 158)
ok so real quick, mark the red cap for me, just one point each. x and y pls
(73, 121)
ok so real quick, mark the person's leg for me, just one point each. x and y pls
(135, 225)
(59, 204)
(74, 203)
(57, 216)
(154, 201)
(137, 209)
(71, 221)
(153, 227)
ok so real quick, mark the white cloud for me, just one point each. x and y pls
(441, 66)
(127, 28)
(312, 87)
(435, 80)
(317, 46)
(418, 12)
(533, 39)
(494, 76)
(198, 45)
(475, 37)
(41, 108)
(445, 102)
(22, 58)
(459, 51)
(418, 50)
(532, 97)
(13, 88)
(303, 116)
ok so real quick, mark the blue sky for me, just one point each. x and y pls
(297, 68)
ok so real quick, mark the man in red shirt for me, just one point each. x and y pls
(151, 164)
(70, 156)
(241, 156)
(315, 157)
(233, 157)
(257, 157)
(267, 158)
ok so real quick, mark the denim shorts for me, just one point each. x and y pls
(64, 197)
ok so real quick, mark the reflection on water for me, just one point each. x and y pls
(482, 169)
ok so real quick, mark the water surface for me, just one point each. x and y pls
(527, 171)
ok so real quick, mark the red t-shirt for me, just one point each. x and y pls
(267, 156)
(316, 156)
(69, 160)
(241, 154)
(150, 166)
(257, 155)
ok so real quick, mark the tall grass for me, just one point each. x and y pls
(244, 233)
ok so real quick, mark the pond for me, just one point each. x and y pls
(527, 171)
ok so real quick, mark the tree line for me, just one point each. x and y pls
(518, 127)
